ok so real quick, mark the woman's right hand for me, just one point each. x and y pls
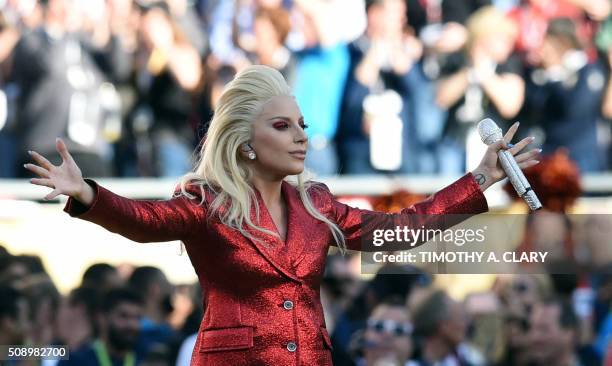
(64, 179)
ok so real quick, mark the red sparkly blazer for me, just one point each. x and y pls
(262, 297)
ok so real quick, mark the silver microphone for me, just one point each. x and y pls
(491, 133)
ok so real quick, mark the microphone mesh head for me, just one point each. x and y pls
(489, 131)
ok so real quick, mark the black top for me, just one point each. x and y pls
(457, 123)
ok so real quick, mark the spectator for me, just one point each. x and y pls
(76, 324)
(101, 276)
(113, 40)
(387, 337)
(44, 300)
(381, 62)
(441, 325)
(519, 294)
(191, 328)
(172, 67)
(390, 281)
(119, 328)
(553, 333)
(565, 96)
(231, 34)
(59, 91)
(16, 269)
(14, 319)
(322, 67)
(271, 28)
(484, 82)
(153, 287)
(486, 325)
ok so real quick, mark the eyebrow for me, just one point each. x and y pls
(286, 118)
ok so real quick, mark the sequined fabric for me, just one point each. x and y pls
(262, 296)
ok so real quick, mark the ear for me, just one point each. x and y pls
(247, 151)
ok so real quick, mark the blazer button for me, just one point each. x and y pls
(288, 304)
(291, 346)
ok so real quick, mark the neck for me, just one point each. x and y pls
(435, 349)
(269, 188)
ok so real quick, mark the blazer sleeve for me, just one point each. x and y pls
(142, 221)
(444, 209)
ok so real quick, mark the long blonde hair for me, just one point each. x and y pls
(221, 167)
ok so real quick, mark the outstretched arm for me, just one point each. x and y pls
(444, 209)
(138, 220)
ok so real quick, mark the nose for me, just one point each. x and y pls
(300, 137)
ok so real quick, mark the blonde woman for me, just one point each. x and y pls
(257, 242)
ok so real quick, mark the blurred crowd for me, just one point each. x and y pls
(386, 86)
(401, 316)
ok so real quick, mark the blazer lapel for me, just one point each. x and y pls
(271, 247)
(297, 223)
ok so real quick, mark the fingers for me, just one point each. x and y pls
(498, 145)
(528, 155)
(528, 163)
(42, 182)
(52, 195)
(511, 131)
(521, 145)
(41, 160)
(63, 150)
(41, 172)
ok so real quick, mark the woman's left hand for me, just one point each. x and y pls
(490, 170)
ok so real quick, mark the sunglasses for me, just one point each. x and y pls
(390, 326)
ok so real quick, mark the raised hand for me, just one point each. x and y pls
(490, 170)
(64, 179)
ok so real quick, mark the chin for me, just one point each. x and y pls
(295, 169)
